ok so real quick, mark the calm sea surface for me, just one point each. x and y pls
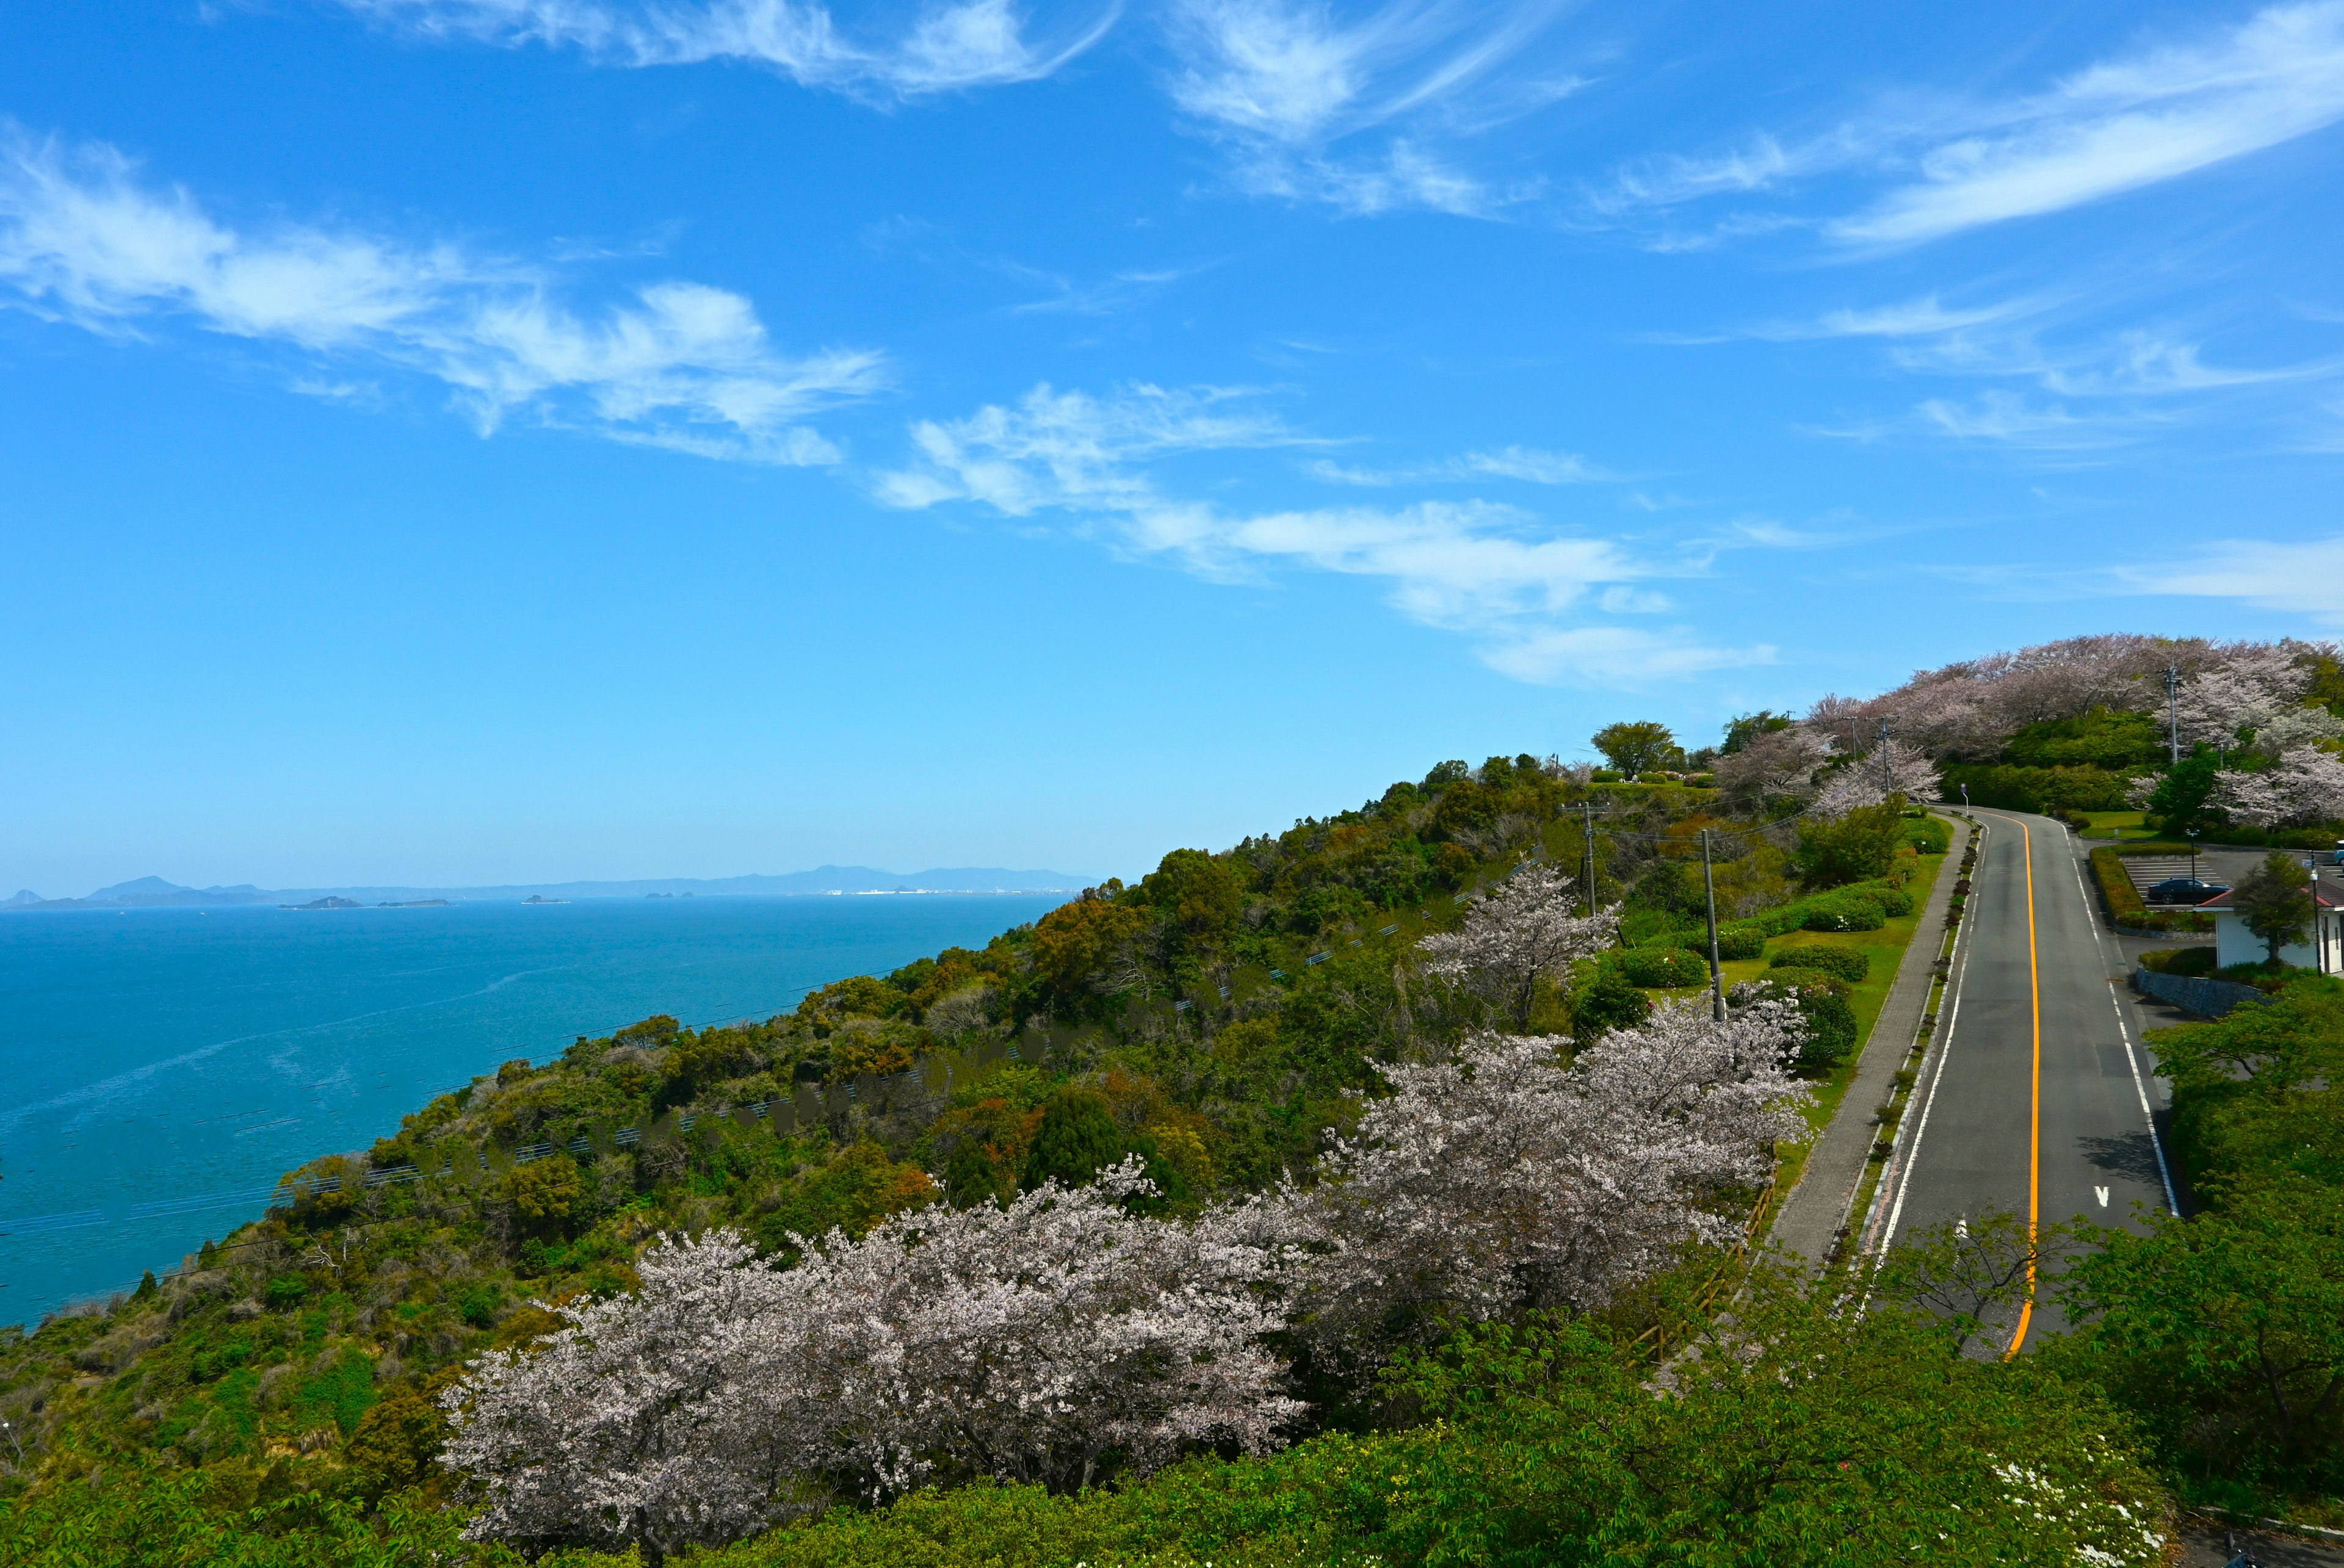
(159, 1069)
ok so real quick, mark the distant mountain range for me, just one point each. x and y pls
(154, 893)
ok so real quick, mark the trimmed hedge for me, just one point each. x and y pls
(1844, 912)
(2179, 961)
(1823, 1007)
(1929, 835)
(1880, 898)
(2049, 790)
(1740, 940)
(2126, 906)
(1840, 963)
(1662, 968)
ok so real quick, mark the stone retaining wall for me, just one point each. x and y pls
(2192, 993)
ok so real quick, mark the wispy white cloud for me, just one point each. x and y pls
(2293, 576)
(2122, 125)
(1527, 464)
(1939, 167)
(2009, 419)
(1616, 656)
(1673, 179)
(1926, 317)
(84, 241)
(1488, 570)
(975, 44)
(1294, 93)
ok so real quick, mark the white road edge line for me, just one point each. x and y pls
(2132, 1057)
(1944, 1051)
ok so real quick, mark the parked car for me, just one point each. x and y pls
(2181, 890)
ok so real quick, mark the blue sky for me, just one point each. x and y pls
(451, 440)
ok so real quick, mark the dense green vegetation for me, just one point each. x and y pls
(1216, 1019)
(2065, 765)
(2223, 1333)
(274, 1405)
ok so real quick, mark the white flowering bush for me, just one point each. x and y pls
(1028, 1343)
(2304, 786)
(1510, 1176)
(649, 1418)
(1871, 777)
(1525, 931)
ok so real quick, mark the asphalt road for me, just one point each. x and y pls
(2038, 1099)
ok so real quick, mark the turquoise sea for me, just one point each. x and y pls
(160, 1068)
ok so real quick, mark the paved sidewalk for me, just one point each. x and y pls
(1810, 1218)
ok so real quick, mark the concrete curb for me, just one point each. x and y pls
(1813, 1212)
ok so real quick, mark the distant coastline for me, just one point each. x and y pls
(825, 881)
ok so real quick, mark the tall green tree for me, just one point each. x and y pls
(1636, 747)
(2224, 1331)
(2274, 899)
(1853, 847)
(1743, 728)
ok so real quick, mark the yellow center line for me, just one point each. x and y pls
(2034, 1115)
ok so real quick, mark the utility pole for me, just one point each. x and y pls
(2173, 708)
(1887, 777)
(1587, 848)
(1716, 975)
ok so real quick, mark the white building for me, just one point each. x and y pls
(2234, 944)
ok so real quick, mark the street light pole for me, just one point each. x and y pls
(2172, 709)
(1709, 891)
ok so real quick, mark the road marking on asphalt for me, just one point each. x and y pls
(2035, 1118)
(1912, 1154)
(2132, 1057)
(2102, 1193)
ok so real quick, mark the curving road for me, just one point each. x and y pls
(2037, 1097)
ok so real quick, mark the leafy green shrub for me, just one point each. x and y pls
(286, 1291)
(2124, 904)
(2197, 960)
(1929, 835)
(1822, 1004)
(1606, 775)
(1607, 1001)
(478, 1306)
(1663, 968)
(1857, 848)
(1740, 940)
(2051, 789)
(1840, 963)
(1844, 913)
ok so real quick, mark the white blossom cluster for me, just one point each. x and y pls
(1868, 780)
(1039, 1340)
(1023, 1342)
(1522, 932)
(2304, 786)
(2256, 688)
(1505, 1177)
(2082, 1507)
(1969, 709)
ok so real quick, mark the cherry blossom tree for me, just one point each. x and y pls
(2258, 689)
(645, 1420)
(1780, 764)
(1893, 768)
(1030, 1342)
(1968, 709)
(1523, 932)
(1513, 1176)
(2305, 786)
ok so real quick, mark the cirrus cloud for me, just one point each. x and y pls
(1492, 571)
(84, 241)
